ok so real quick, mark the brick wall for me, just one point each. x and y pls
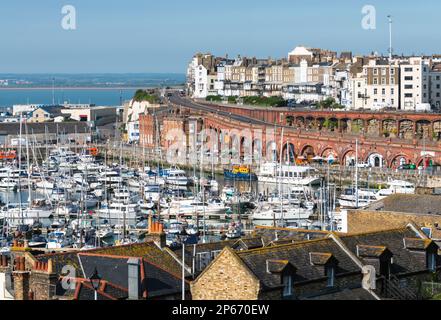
(226, 279)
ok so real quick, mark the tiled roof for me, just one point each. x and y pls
(370, 251)
(319, 258)
(271, 234)
(404, 260)
(356, 293)
(298, 255)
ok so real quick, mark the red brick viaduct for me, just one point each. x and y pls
(385, 138)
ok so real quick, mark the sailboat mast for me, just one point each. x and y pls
(356, 173)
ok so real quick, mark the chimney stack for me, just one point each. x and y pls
(21, 279)
(44, 280)
(134, 281)
(156, 233)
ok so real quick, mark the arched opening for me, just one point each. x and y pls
(300, 122)
(406, 129)
(308, 152)
(288, 153)
(357, 126)
(257, 150)
(320, 123)
(390, 129)
(330, 155)
(423, 129)
(398, 161)
(271, 151)
(376, 160)
(309, 122)
(345, 125)
(348, 158)
(373, 127)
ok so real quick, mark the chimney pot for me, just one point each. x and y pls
(50, 267)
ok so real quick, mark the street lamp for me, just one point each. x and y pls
(95, 281)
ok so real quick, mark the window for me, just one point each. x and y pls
(330, 274)
(375, 91)
(202, 260)
(383, 80)
(392, 91)
(408, 78)
(375, 71)
(287, 285)
(431, 261)
(383, 91)
(408, 95)
(408, 69)
(408, 86)
(375, 80)
(215, 253)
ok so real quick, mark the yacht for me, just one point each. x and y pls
(396, 187)
(293, 175)
(8, 184)
(348, 199)
(268, 211)
(175, 176)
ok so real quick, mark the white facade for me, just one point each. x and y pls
(204, 83)
(133, 131)
(414, 84)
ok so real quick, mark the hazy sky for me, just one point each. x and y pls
(161, 36)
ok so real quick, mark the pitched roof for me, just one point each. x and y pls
(404, 260)
(298, 254)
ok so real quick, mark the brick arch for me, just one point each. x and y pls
(371, 153)
(394, 162)
(346, 153)
(326, 151)
(309, 149)
(291, 151)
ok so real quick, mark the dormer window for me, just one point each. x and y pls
(287, 285)
(330, 274)
(431, 261)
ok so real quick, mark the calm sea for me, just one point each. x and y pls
(99, 97)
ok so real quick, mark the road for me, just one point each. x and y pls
(176, 99)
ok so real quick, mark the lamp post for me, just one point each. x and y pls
(95, 281)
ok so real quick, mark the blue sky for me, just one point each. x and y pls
(161, 36)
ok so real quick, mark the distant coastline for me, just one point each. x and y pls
(87, 88)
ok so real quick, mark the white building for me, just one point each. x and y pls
(204, 83)
(133, 131)
(414, 84)
(18, 109)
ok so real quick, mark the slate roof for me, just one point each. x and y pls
(275, 235)
(39, 128)
(298, 255)
(355, 293)
(155, 281)
(409, 203)
(404, 260)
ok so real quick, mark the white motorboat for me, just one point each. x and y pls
(176, 177)
(349, 199)
(396, 187)
(275, 212)
(272, 172)
(193, 206)
(8, 184)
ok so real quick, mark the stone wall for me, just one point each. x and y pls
(226, 278)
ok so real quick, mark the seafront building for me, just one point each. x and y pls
(310, 75)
